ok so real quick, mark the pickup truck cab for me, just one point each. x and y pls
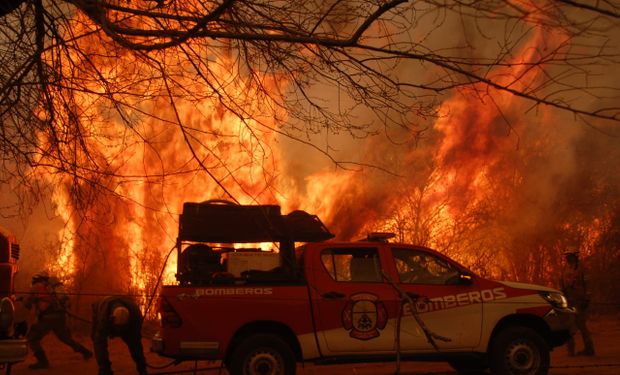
(370, 300)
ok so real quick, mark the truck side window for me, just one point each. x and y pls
(352, 265)
(419, 267)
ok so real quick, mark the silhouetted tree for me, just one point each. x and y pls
(394, 59)
(89, 86)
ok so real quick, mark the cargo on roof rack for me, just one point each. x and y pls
(226, 222)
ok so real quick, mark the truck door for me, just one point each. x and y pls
(352, 302)
(449, 305)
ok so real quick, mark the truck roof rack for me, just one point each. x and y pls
(219, 221)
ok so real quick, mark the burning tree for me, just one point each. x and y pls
(125, 109)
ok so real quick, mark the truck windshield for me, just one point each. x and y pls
(420, 267)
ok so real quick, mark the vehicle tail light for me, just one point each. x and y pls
(169, 317)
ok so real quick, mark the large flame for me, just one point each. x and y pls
(120, 225)
(123, 223)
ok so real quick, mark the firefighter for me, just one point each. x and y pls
(50, 305)
(117, 316)
(574, 286)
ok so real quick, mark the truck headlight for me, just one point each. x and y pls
(556, 299)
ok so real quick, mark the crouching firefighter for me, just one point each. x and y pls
(51, 305)
(117, 316)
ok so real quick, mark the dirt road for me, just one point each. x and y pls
(605, 329)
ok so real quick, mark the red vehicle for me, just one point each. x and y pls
(335, 302)
(13, 349)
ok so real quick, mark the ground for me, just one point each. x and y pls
(605, 330)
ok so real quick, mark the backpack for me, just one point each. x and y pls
(49, 295)
(60, 299)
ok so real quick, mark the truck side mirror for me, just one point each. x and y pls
(466, 279)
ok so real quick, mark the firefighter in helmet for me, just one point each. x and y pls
(117, 316)
(50, 304)
(574, 286)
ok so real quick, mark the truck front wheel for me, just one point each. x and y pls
(262, 354)
(519, 351)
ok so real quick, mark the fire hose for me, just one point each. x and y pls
(406, 298)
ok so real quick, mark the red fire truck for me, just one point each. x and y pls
(335, 302)
(12, 348)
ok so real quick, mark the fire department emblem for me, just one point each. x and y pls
(364, 315)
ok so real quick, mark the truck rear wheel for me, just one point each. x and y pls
(519, 351)
(262, 354)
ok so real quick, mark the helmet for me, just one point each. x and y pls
(42, 276)
(572, 256)
(120, 316)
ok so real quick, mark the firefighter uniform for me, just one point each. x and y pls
(50, 307)
(107, 325)
(574, 287)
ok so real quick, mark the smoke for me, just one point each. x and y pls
(493, 181)
(514, 184)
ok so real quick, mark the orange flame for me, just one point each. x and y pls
(245, 158)
(114, 221)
